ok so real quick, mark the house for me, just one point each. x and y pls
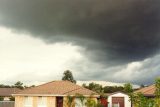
(118, 99)
(52, 94)
(147, 91)
(6, 93)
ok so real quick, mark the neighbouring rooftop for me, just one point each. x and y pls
(147, 91)
(6, 92)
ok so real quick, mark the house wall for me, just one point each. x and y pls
(127, 103)
(35, 101)
(50, 101)
(19, 101)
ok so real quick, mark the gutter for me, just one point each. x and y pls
(50, 95)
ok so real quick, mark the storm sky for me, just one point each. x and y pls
(110, 40)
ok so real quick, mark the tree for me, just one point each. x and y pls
(111, 89)
(157, 92)
(12, 99)
(94, 87)
(139, 100)
(29, 86)
(90, 102)
(5, 86)
(128, 88)
(142, 86)
(19, 85)
(69, 101)
(1, 98)
(67, 75)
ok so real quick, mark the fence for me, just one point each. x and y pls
(6, 103)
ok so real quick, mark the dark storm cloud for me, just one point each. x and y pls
(125, 30)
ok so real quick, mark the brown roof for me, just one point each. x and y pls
(57, 88)
(147, 91)
(8, 91)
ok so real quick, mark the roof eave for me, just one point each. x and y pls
(50, 95)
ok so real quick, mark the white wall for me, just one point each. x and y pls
(127, 102)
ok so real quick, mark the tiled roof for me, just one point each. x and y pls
(57, 88)
(147, 91)
(8, 91)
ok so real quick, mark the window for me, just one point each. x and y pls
(42, 102)
(28, 102)
(80, 103)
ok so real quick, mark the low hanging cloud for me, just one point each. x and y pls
(142, 72)
(127, 30)
(22, 56)
(117, 37)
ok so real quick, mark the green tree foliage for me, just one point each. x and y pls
(99, 104)
(94, 87)
(5, 86)
(12, 99)
(99, 89)
(29, 86)
(84, 101)
(157, 92)
(67, 75)
(139, 100)
(111, 89)
(142, 86)
(19, 85)
(1, 98)
(69, 102)
(128, 88)
(90, 102)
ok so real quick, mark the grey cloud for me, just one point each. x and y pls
(139, 72)
(127, 30)
(112, 32)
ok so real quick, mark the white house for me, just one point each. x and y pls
(118, 99)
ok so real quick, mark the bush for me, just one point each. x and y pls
(1, 98)
(12, 99)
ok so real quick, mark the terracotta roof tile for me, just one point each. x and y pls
(57, 88)
(147, 91)
(8, 91)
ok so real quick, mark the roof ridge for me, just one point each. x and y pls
(45, 84)
(37, 86)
